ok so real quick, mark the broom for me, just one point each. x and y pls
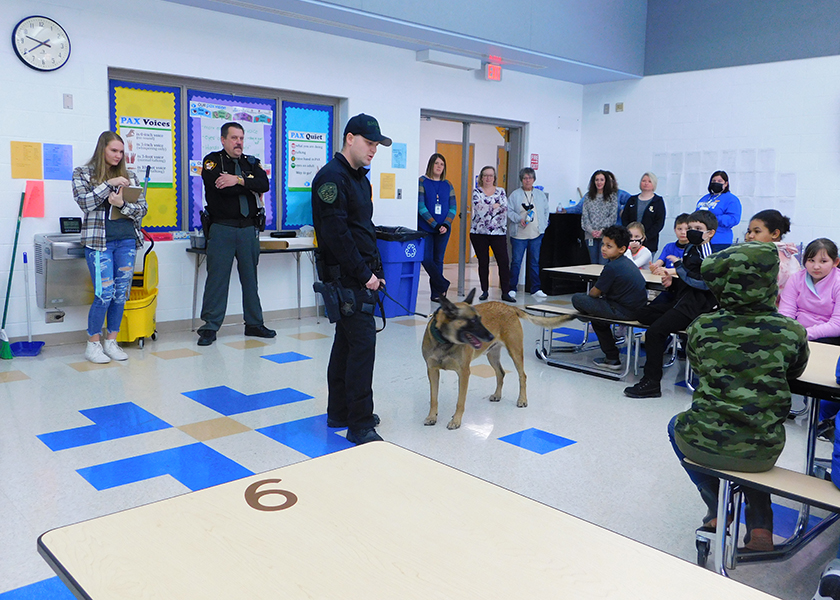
(5, 348)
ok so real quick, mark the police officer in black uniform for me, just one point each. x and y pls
(342, 207)
(232, 181)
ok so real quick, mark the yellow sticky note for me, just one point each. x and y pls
(26, 160)
(388, 185)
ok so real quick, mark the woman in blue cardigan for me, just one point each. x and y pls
(725, 206)
(436, 208)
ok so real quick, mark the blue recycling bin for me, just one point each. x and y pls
(401, 264)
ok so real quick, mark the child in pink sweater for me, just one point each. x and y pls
(812, 296)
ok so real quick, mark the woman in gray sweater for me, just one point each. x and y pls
(600, 206)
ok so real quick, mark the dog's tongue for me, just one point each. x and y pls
(476, 343)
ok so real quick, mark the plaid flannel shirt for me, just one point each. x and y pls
(93, 200)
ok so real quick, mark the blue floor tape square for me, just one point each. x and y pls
(229, 402)
(286, 357)
(571, 336)
(784, 520)
(196, 466)
(111, 423)
(537, 440)
(48, 589)
(309, 436)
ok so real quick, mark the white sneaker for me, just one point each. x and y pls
(95, 354)
(540, 294)
(829, 587)
(114, 351)
(512, 293)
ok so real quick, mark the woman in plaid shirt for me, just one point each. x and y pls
(110, 238)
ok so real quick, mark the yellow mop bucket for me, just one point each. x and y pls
(138, 320)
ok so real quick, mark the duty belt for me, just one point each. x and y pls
(249, 222)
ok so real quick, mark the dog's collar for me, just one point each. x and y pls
(435, 331)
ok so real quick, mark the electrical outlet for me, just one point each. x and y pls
(619, 107)
(606, 109)
(68, 101)
(399, 193)
(54, 316)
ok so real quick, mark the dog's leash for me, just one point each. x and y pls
(395, 301)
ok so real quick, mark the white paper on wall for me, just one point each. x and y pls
(766, 160)
(786, 185)
(742, 184)
(746, 160)
(688, 204)
(661, 185)
(692, 162)
(673, 188)
(675, 162)
(787, 206)
(692, 185)
(710, 162)
(765, 184)
(749, 206)
(660, 164)
(726, 162)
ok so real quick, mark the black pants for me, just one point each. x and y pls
(350, 372)
(482, 243)
(663, 320)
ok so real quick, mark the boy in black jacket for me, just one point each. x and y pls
(691, 298)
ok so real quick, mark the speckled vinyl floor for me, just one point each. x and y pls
(78, 442)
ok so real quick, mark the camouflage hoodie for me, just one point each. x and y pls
(744, 354)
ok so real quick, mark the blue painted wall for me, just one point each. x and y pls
(708, 34)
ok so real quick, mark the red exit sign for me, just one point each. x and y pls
(492, 72)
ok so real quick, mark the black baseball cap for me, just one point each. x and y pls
(367, 127)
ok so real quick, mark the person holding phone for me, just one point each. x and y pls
(110, 243)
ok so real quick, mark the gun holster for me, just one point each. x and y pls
(261, 219)
(343, 302)
(206, 221)
(332, 303)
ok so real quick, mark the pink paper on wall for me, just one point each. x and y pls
(33, 202)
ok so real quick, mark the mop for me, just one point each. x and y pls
(5, 348)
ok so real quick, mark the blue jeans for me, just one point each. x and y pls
(518, 248)
(594, 247)
(111, 271)
(758, 510)
(434, 249)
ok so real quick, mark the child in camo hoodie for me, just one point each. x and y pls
(744, 354)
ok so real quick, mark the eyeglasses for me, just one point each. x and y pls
(637, 239)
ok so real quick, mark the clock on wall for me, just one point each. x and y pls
(41, 43)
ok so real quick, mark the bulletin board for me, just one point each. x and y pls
(146, 117)
(207, 112)
(307, 146)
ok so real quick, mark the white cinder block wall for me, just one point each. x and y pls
(790, 108)
(161, 37)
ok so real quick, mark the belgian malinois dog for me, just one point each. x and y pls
(458, 333)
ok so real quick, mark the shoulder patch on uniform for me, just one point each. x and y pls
(209, 165)
(328, 192)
